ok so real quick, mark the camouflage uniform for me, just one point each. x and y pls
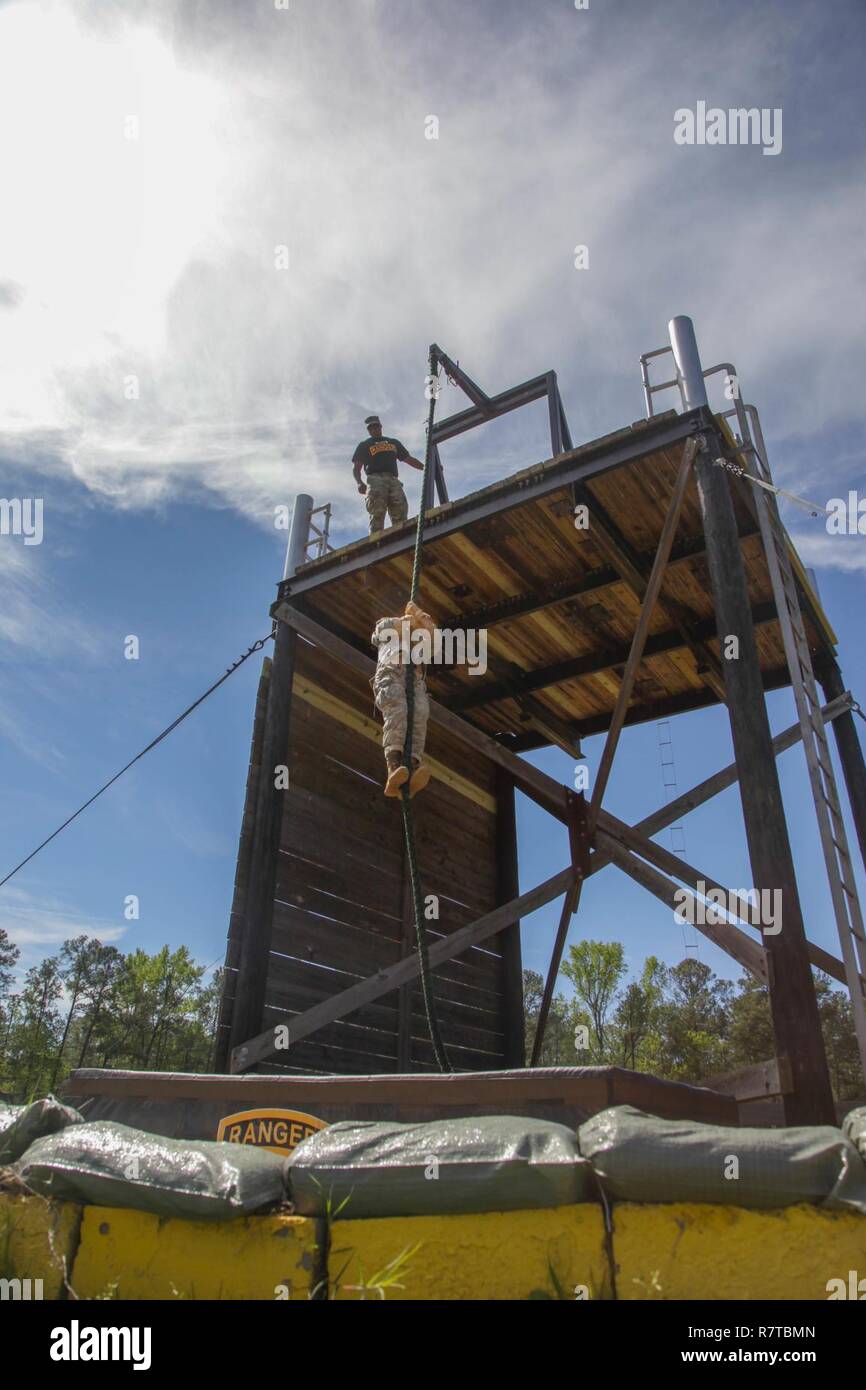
(389, 688)
(385, 494)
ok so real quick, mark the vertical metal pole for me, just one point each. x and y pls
(794, 1008)
(249, 1005)
(553, 411)
(689, 370)
(299, 534)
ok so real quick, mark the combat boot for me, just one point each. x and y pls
(420, 776)
(398, 773)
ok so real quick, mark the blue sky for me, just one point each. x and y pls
(159, 155)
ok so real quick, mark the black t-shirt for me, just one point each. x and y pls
(380, 455)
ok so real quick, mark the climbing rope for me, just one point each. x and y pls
(408, 826)
(256, 647)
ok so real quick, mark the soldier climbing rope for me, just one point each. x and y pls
(405, 792)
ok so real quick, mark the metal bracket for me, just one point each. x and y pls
(580, 838)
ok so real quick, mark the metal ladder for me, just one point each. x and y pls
(834, 841)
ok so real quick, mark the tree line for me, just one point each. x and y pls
(681, 1022)
(92, 1005)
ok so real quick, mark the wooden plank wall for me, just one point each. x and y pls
(342, 908)
(238, 908)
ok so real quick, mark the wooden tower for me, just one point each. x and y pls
(590, 627)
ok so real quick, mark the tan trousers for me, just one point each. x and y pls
(389, 688)
(385, 494)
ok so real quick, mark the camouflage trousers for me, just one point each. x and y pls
(389, 688)
(385, 494)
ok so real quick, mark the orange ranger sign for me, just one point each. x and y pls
(280, 1131)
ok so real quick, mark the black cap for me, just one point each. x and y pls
(372, 420)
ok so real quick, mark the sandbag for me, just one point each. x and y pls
(360, 1168)
(640, 1158)
(854, 1129)
(111, 1165)
(20, 1125)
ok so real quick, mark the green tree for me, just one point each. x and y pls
(840, 1041)
(36, 1034)
(558, 1048)
(693, 1022)
(94, 1019)
(595, 969)
(9, 954)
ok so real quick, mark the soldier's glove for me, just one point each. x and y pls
(419, 618)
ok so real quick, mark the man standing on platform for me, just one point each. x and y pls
(383, 490)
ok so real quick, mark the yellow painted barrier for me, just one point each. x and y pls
(489, 1255)
(677, 1251)
(131, 1254)
(713, 1252)
(38, 1239)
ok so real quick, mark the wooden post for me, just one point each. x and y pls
(247, 1014)
(508, 888)
(222, 1041)
(793, 1004)
(850, 753)
(404, 994)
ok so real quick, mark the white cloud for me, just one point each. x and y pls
(39, 924)
(155, 257)
(845, 553)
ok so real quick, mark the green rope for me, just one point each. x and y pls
(408, 826)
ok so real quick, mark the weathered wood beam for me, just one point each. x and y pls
(592, 663)
(794, 1008)
(554, 729)
(755, 1082)
(728, 937)
(726, 777)
(251, 982)
(569, 907)
(648, 603)
(610, 541)
(778, 678)
(595, 582)
(258, 1048)
(507, 889)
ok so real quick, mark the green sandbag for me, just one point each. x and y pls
(640, 1158)
(111, 1165)
(489, 1163)
(21, 1125)
(854, 1128)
